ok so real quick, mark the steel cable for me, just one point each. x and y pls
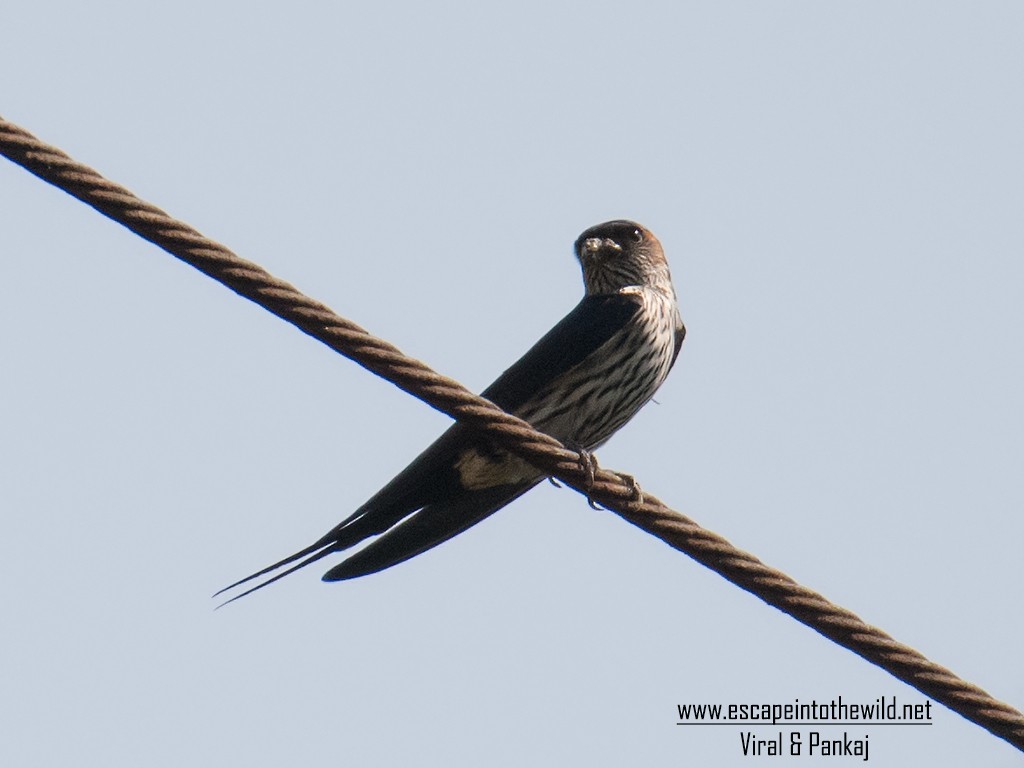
(447, 395)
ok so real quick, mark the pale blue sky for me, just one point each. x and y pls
(839, 188)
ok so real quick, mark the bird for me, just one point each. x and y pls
(580, 383)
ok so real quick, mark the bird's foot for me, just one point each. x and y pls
(589, 466)
(636, 494)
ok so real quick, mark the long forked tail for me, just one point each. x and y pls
(423, 530)
(312, 553)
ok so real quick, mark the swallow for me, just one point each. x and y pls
(580, 383)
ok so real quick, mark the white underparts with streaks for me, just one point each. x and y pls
(602, 396)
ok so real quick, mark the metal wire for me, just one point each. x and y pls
(447, 395)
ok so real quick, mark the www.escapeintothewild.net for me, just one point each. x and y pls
(884, 710)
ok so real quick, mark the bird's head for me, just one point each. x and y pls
(620, 254)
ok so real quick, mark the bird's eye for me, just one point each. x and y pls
(638, 236)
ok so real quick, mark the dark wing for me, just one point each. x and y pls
(431, 483)
(427, 528)
(577, 336)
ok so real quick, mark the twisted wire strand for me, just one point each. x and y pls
(447, 395)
